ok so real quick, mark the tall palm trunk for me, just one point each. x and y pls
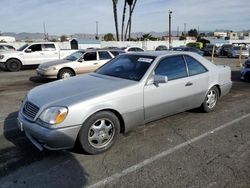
(123, 19)
(129, 24)
(115, 18)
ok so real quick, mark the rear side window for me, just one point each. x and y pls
(103, 55)
(138, 50)
(49, 47)
(172, 67)
(194, 67)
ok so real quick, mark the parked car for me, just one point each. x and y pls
(245, 71)
(6, 47)
(130, 90)
(208, 49)
(234, 51)
(32, 54)
(224, 49)
(188, 49)
(77, 63)
(132, 49)
(161, 48)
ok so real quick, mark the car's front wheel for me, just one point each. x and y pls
(99, 132)
(13, 65)
(211, 99)
(65, 73)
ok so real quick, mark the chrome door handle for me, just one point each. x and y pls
(189, 84)
(95, 63)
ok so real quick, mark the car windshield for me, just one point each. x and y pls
(74, 56)
(130, 67)
(22, 47)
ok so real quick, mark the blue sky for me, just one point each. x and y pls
(79, 16)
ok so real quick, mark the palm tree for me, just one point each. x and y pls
(131, 4)
(115, 18)
(123, 19)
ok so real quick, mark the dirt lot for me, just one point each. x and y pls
(191, 149)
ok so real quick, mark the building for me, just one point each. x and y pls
(7, 39)
(220, 34)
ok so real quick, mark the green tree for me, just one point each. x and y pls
(63, 38)
(115, 18)
(108, 37)
(193, 33)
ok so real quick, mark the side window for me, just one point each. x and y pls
(49, 47)
(172, 67)
(132, 50)
(103, 55)
(36, 47)
(90, 56)
(115, 53)
(1, 47)
(194, 67)
(138, 49)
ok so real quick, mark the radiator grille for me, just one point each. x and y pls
(30, 110)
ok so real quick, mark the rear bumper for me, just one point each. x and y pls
(225, 88)
(52, 139)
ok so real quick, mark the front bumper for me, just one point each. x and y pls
(52, 139)
(2, 65)
(46, 73)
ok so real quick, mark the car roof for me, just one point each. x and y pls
(161, 53)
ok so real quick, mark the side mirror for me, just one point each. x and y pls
(160, 79)
(28, 50)
(80, 60)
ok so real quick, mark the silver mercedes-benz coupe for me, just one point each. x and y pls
(130, 90)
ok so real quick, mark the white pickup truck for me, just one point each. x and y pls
(32, 54)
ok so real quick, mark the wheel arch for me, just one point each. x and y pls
(65, 68)
(117, 114)
(14, 58)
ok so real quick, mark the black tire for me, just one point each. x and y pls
(13, 65)
(210, 105)
(65, 73)
(107, 126)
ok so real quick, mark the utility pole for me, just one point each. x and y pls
(169, 20)
(45, 33)
(178, 31)
(185, 27)
(96, 35)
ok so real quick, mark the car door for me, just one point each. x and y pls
(88, 63)
(171, 97)
(198, 81)
(33, 55)
(49, 52)
(104, 57)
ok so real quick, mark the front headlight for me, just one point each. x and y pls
(54, 115)
(1, 56)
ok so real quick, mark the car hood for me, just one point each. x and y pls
(10, 52)
(53, 63)
(75, 89)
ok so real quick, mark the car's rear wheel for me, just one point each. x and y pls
(13, 65)
(65, 73)
(99, 132)
(211, 99)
